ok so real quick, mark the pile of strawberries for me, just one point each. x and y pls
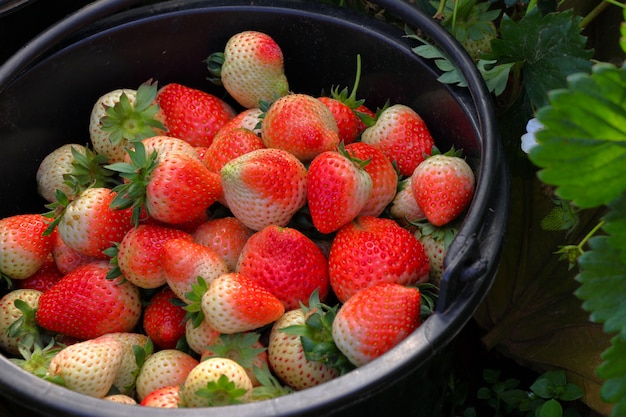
(197, 255)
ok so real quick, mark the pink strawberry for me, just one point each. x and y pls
(216, 382)
(66, 258)
(286, 262)
(139, 254)
(383, 174)
(163, 320)
(264, 187)
(228, 145)
(85, 304)
(375, 320)
(371, 250)
(184, 262)
(24, 248)
(443, 186)
(164, 397)
(235, 303)
(88, 367)
(301, 125)
(287, 358)
(251, 68)
(191, 114)
(226, 236)
(402, 135)
(248, 119)
(89, 225)
(163, 368)
(404, 208)
(338, 188)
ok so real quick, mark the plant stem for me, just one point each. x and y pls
(597, 10)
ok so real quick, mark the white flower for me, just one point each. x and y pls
(529, 140)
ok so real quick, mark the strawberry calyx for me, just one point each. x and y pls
(36, 360)
(132, 192)
(316, 335)
(359, 163)
(123, 121)
(25, 327)
(239, 347)
(194, 308)
(214, 63)
(221, 392)
(349, 97)
(270, 387)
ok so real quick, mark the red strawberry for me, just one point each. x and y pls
(287, 358)
(192, 115)
(235, 303)
(286, 262)
(383, 174)
(375, 320)
(301, 125)
(43, 279)
(164, 321)
(23, 246)
(174, 187)
(229, 144)
(226, 236)
(163, 368)
(264, 187)
(121, 117)
(184, 262)
(89, 224)
(88, 367)
(216, 382)
(248, 119)
(251, 68)
(164, 397)
(85, 304)
(402, 135)
(338, 188)
(371, 250)
(443, 186)
(139, 254)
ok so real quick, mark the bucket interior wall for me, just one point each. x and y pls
(49, 105)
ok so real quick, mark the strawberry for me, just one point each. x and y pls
(226, 236)
(301, 125)
(164, 397)
(136, 346)
(139, 254)
(338, 188)
(184, 261)
(123, 116)
(88, 367)
(200, 335)
(375, 320)
(66, 258)
(404, 208)
(247, 119)
(163, 320)
(344, 108)
(163, 368)
(264, 187)
(89, 225)
(191, 114)
(216, 382)
(286, 262)
(173, 187)
(235, 303)
(287, 358)
(85, 304)
(251, 68)
(383, 174)
(229, 144)
(43, 279)
(162, 144)
(121, 399)
(371, 250)
(443, 186)
(244, 348)
(402, 135)
(10, 314)
(24, 248)
(435, 241)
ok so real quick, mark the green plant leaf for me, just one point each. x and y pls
(582, 148)
(550, 48)
(551, 408)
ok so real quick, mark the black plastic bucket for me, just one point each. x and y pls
(48, 87)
